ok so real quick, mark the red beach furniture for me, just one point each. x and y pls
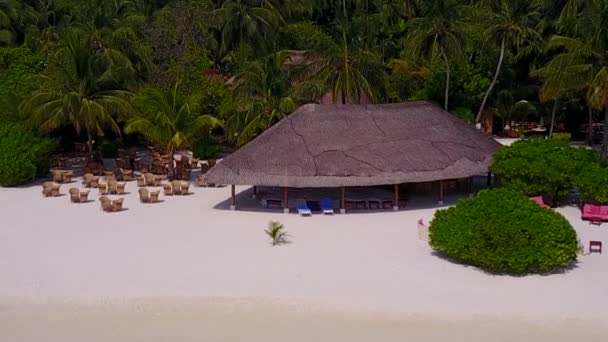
(539, 200)
(595, 213)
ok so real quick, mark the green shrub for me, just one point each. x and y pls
(276, 232)
(591, 183)
(306, 36)
(24, 154)
(540, 166)
(562, 137)
(464, 114)
(17, 65)
(501, 231)
(204, 149)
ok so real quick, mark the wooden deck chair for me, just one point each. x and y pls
(117, 204)
(177, 187)
(86, 179)
(144, 195)
(106, 204)
(185, 188)
(149, 179)
(120, 188)
(84, 196)
(112, 186)
(154, 196)
(141, 181)
(74, 195)
(168, 190)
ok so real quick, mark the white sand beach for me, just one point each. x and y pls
(188, 268)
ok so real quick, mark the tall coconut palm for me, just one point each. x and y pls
(81, 88)
(246, 21)
(169, 118)
(511, 24)
(581, 61)
(440, 32)
(262, 96)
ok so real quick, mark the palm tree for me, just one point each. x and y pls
(246, 21)
(170, 119)
(262, 97)
(581, 61)
(439, 31)
(81, 89)
(510, 25)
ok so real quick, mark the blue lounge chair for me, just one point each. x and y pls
(303, 209)
(327, 205)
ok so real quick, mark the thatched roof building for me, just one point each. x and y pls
(350, 145)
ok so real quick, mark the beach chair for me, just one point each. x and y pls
(112, 186)
(74, 195)
(156, 180)
(55, 190)
(120, 188)
(47, 189)
(168, 190)
(595, 212)
(103, 189)
(106, 204)
(327, 206)
(141, 181)
(86, 179)
(154, 196)
(117, 204)
(144, 195)
(302, 208)
(84, 196)
(57, 176)
(149, 179)
(185, 188)
(127, 175)
(200, 181)
(66, 176)
(177, 187)
(94, 181)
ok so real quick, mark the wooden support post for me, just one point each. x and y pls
(342, 200)
(285, 200)
(489, 181)
(396, 197)
(233, 197)
(255, 192)
(440, 202)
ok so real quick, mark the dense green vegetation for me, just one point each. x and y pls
(542, 167)
(591, 183)
(24, 155)
(502, 231)
(88, 68)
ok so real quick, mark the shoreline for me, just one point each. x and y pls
(222, 319)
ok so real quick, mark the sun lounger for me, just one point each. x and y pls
(112, 186)
(86, 179)
(149, 179)
(141, 181)
(327, 206)
(94, 181)
(168, 190)
(55, 190)
(127, 175)
(144, 195)
(66, 176)
(84, 196)
(154, 196)
(57, 176)
(302, 208)
(177, 187)
(47, 189)
(106, 204)
(539, 200)
(156, 180)
(117, 204)
(595, 212)
(74, 195)
(103, 189)
(120, 188)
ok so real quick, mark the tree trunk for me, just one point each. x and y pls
(590, 128)
(605, 137)
(447, 78)
(552, 125)
(494, 80)
(90, 143)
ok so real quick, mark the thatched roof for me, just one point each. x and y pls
(348, 145)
